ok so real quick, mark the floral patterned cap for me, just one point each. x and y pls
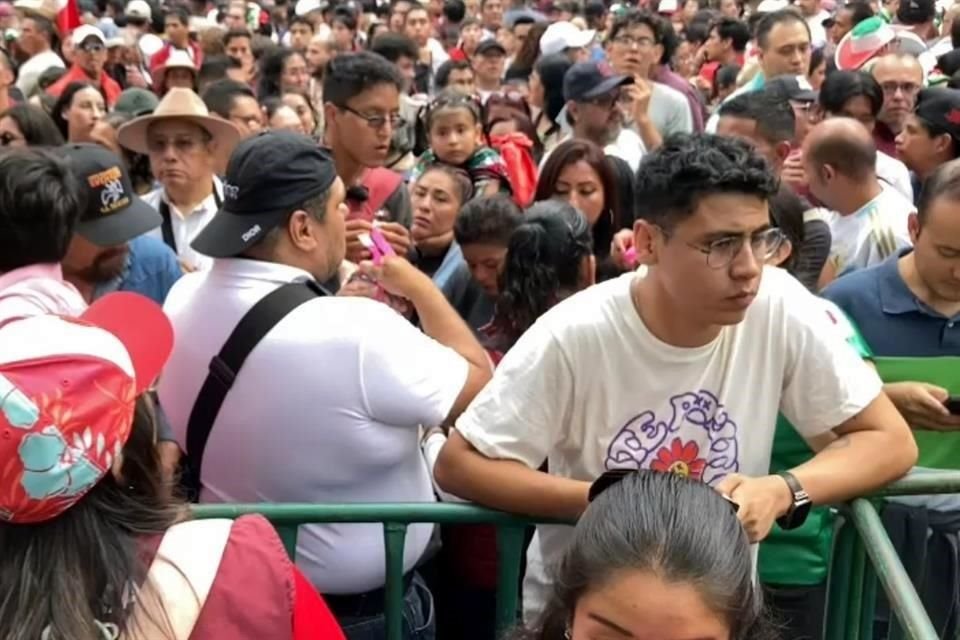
(67, 392)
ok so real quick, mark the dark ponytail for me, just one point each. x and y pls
(543, 265)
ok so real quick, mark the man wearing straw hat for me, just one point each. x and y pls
(186, 147)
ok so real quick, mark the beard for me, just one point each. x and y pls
(107, 265)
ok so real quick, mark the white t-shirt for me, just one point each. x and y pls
(32, 68)
(894, 173)
(872, 234)
(818, 35)
(628, 146)
(588, 388)
(326, 409)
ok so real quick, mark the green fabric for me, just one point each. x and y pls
(937, 450)
(800, 557)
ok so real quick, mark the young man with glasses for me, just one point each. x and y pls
(89, 57)
(681, 367)
(901, 78)
(361, 93)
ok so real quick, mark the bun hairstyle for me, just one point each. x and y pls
(543, 265)
(460, 178)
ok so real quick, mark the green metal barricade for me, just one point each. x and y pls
(863, 554)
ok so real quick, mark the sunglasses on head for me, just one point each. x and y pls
(614, 476)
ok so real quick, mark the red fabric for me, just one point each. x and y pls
(253, 594)
(380, 183)
(111, 90)
(160, 57)
(68, 18)
(312, 619)
(457, 54)
(885, 139)
(515, 149)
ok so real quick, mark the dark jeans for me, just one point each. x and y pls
(799, 611)
(418, 618)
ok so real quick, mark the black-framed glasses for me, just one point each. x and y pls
(906, 88)
(721, 252)
(628, 40)
(610, 478)
(378, 121)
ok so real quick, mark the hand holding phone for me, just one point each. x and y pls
(953, 405)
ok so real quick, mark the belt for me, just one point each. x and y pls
(369, 603)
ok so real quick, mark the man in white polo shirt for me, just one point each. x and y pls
(328, 404)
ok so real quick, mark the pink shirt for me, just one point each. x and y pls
(36, 290)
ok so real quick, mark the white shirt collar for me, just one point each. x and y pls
(245, 268)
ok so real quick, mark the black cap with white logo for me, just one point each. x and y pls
(114, 214)
(269, 175)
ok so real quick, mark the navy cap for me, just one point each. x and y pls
(489, 45)
(911, 12)
(588, 80)
(114, 214)
(792, 88)
(269, 175)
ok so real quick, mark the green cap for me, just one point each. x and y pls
(136, 102)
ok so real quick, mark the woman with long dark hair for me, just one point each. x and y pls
(282, 70)
(24, 125)
(655, 555)
(77, 111)
(94, 546)
(546, 97)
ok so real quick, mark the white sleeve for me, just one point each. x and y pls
(525, 408)
(431, 451)
(406, 377)
(826, 382)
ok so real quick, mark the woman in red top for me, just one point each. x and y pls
(94, 547)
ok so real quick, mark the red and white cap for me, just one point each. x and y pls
(68, 387)
(864, 42)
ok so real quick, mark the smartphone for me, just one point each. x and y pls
(953, 405)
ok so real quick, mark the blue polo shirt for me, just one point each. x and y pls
(890, 317)
(150, 269)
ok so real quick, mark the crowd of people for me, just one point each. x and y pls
(686, 273)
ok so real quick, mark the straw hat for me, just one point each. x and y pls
(178, 59)
(181, 104)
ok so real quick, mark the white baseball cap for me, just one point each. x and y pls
(667, 6)
(769, 6)
(564, 35)
(138, 9)
(85, 31)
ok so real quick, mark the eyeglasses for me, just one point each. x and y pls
(627, 40)
(615, 476)
(906, 88)
(92, 47)
(7, 139)
(721, 252)
(182, 145)
(378, 121)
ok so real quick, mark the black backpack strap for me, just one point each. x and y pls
(166, 227)
(224, 366)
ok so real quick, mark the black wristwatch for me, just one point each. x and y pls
(800, 509)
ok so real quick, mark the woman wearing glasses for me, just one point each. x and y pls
(642, 564)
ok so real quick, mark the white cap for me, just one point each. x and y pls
(303, 7)
(667, 6)
(769, 6)
(85, 31)
(563, 35)
(149, 44)
(138, 9)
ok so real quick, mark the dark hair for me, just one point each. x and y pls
(841, 86)
(734, 30)
(529, 53)
(416, 7)
(442, 78)
(271, 70)
(786, 213)
(73, 570)
(215, 68)
(450, 99)
(634, 18)
(38, 129)
(179, 12)
(612, 219)
(943, 182)
(222, 94)
(726, 76)
(350, 74)
(460, 178)
(774, 116)
(39, 205)
(860, 11)
(44, 26)
(138, 164)
(300, 20)
(854, 156)
(237, 33)
(487, 220)
(454, 11)
(524, 125)
(543, 265)
(955, 34)
(769, 20)
(393, 46)
(653, 522)
(816, 59)
(64, 102)
(673, 179)
(346, 19)
(551, 70)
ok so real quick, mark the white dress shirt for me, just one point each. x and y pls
(187, 226)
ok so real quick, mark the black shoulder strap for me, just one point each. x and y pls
(224, 366)
(166, 227)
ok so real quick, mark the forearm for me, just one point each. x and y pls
(648, 133)
(507, 485)
(859, 461)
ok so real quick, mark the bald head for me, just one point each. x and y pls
(845, 145)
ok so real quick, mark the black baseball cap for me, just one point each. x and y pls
(269, 175)
(587, 80)
(791, 88)
(940, 109)
(114, 214)
(490, 45)
(911, 12)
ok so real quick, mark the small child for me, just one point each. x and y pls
(454, 129)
